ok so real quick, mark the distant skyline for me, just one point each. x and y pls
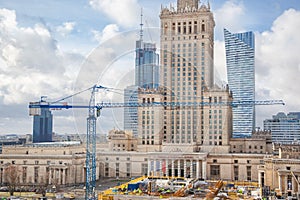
(45, 44)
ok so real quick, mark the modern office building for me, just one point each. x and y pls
(146, 76)
(285, 129)
(131, 113)
(240, 52)
(42, 126)
(146, 65)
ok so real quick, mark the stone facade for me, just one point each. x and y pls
(121, 141)
(231, 167)
(186, 41)
(217, 126)
(150, 120)
(64, 164)
(48, 163)
(260, 142)
(282, 172)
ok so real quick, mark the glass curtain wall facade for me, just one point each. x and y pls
(42, 126)
(131, 113)
(146, 76)
(240, 55)
(284, 128)
(146, 65)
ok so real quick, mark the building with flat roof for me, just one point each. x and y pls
(285, 128)
(61, 163)
(42, 126)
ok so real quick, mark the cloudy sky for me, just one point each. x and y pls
(50, 48)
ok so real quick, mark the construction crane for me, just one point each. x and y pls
(94, 112)
(35, 109)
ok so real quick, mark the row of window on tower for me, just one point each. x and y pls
(185, 28)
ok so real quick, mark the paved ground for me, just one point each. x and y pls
(101, 185)
(108, 183)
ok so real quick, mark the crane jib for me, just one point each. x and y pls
(156, 104)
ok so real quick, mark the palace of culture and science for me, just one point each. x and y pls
(192, 139)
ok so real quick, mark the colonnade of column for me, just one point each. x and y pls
(57, 176)
(177, 168)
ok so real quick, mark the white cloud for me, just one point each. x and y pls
(31, 62)
(220, 62)
(277, 63)
(109, 65)
(66, 28)
(8, 19)
(10, 54)
(123, 12)
(108, 32)
(31, 65)
(230, 16)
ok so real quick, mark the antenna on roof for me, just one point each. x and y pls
(141, 24)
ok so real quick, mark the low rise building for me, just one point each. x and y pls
(285, 128)
(259, 143)
(60, 163)
(282, 172)
(63, 163)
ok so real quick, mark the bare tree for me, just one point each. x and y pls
(11, 176)
(44, 184)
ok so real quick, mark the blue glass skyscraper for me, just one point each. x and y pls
(240, 54)
(146, 76)
(146, 65)
(42, 126)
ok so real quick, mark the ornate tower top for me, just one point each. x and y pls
(182, 4)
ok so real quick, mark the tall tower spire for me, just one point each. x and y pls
(141, 24)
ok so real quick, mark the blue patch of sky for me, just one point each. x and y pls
(53, 13)
(261, 14)
(264, 13)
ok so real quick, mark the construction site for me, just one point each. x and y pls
(181, 188)
(183, 129)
